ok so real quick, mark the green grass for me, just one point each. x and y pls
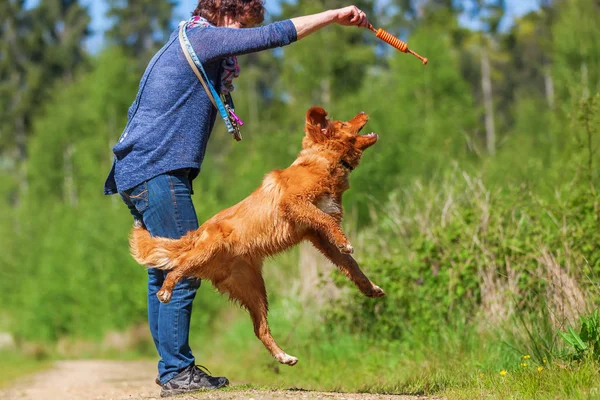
(356, 367)
(455, 362)
(554, 382)
(14, 365)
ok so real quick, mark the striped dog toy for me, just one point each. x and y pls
(395, 42)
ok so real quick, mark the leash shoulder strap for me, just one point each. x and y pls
(193, 65)
(210, 91)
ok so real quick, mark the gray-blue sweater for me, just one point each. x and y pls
(170, 121)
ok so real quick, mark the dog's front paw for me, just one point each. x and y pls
(375, 292)
(164, 296)
(287, 359)
(346, 248)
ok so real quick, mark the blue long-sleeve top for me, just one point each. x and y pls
(171, 119)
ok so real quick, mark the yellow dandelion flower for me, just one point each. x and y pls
(526, 357)
(481, 374)
(523, 364)
(540, 369)
(545, 361)
(503, 372)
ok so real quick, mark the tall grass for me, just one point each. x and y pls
(458, 361)
(457, 249)
(479, 281)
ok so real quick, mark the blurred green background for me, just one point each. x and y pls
(477, 211)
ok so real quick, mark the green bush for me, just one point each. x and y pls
(456, 250)
(586, 343)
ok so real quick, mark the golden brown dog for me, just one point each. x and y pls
(301, 202)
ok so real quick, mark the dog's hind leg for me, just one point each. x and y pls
(178, 273)
(347, 264)
(166, 291)
(246, 285)
(186, 266)
(191, 262)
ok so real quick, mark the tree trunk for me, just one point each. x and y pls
(585, 81)
(549, 85)
(70, 191)
(488, 101)
(326, 92)
(253, 98)
(21, 144)
(70, 187)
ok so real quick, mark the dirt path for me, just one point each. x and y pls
(120, 380)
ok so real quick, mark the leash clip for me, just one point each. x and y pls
(236, 122)
(237, 119)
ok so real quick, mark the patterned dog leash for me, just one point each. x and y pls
(232, 121)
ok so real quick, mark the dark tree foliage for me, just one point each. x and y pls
(344, 53)
(140, 26)
(40, 47)
(14, 62)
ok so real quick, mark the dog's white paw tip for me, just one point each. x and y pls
(378, 292)
(347, 249)
(163, 296)
(287, 359)
(293, 361)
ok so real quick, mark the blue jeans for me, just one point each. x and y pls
(164, 204)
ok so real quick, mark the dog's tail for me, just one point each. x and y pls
(154, 252)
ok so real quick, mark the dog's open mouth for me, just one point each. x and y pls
(371, 135)
(366, 141)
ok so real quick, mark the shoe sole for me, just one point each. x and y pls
(182, 391)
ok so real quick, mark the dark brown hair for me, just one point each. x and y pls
(248, 12)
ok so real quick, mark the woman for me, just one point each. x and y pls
(162, 146)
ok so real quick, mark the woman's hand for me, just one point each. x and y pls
(347, 16)
(351, 16)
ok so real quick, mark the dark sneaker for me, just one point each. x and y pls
(192, 379)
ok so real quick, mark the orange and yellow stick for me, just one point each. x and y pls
(395, 42)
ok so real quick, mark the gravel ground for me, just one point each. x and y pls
(134, 380)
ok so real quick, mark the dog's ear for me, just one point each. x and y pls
(316, 124)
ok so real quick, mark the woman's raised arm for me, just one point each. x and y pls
(347, 16)
(214, 43)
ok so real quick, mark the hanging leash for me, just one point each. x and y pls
(231, 120)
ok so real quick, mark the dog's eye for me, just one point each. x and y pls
(343, 124)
